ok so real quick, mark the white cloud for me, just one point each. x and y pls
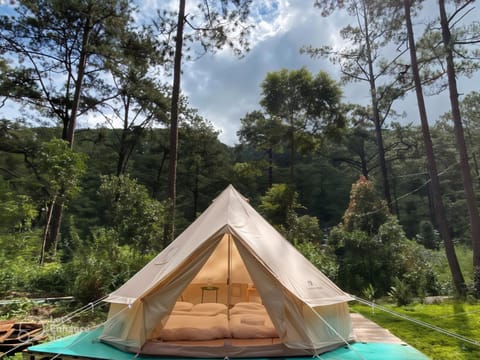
(225, 88)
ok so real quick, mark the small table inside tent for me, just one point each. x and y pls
(210, 288)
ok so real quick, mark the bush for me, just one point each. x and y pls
(321, 257)
(400, 292)
(102, 265)
(49, 280)
(18, 309)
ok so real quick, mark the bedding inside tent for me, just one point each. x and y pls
(229, 285)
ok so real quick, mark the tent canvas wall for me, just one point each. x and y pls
(231, 247)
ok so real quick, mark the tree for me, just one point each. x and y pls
(469, 108)
(280, 205)
(16, 84)
(218, 20)
(438, 207)
(360, 60)
(68, 42)
(449, 48)
(263, 134)
(428, 236)
(132, 214)
(357, 149)
(307, 106)
(366, 211)
(141, 101)
(63, 46)
(201, 155)
(60, 168)
(371, 247)
(17, 211)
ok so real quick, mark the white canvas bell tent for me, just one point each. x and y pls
(227, 254)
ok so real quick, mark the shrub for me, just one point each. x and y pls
(321, 257)
(102, 265)
(49, 280)
(400, 292)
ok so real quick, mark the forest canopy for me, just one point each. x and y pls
(356, 188)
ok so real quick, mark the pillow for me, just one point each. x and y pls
(247, 311)
(210, 308)
(182, 306)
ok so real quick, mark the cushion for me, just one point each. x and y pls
(246, 311)
(182, 306)
(249, 305)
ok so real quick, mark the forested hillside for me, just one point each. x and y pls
(383, 204)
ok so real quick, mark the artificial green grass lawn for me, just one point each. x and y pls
(462, 319)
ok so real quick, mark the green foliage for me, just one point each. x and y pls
(136, 218)
(372, 249)
(19, 309)
(20, 271)
(400, 292)
(368, 292)
(279, 205)
(102, 265)
(61, 168)
(366, 211)
(427, 235)
(261, 132)
(247, 171)
(321, 257)
(18, 261)
(306, 229)
(307, 107)
(16, 210)
(49, 280)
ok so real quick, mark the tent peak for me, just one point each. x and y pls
(231, 191)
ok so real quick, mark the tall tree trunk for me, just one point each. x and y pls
(461, 146)
(270, 167)
(438, 207)
(292, 154)
(55, 223)
(46, 230)
(172, 169)
(196, 191)
(123, 153)
(156, 183)
(122, 157)
(82, 65)
(376, 115)
(472, 151)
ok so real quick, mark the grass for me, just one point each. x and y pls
(458, 318)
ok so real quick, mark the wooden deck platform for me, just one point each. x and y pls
(366, 330)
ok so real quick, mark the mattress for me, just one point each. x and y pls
(209, 321)
(195, 328)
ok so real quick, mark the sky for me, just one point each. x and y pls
(224, 88)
